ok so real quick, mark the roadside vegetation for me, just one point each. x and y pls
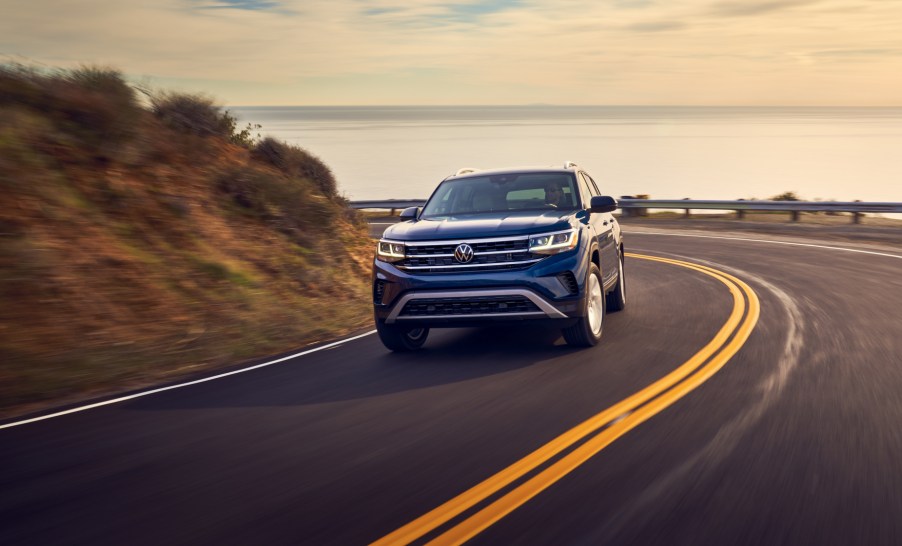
(145, 236)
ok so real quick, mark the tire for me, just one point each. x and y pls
(587, 330)
(616, 300)
(401, 339)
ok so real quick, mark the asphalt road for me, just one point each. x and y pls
(797, 439)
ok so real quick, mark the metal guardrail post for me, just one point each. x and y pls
(628, 212)
(642, 212)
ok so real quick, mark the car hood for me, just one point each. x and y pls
(471, 226)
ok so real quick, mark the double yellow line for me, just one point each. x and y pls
(612, 423)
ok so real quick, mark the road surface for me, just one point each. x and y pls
(795, 439)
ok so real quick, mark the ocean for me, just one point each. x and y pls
(381, 152)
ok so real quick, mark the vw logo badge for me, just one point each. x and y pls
(463, 253)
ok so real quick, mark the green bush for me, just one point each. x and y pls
(297, 162)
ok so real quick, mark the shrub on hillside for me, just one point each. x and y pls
(94, 104)
(194, 114)
(297, 162)
(786, 196)
(105, 82)
(102, 105)
(289, 204)
(20, 85)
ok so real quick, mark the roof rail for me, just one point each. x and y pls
(569, 164)
(465, 170)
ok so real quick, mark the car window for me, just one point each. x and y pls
(592, 183)
(526, 195)
(507, 192)
(587, 192)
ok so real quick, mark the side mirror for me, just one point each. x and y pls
(410, 213)
(603, 203)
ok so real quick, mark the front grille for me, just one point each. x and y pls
(518, 244)
(485, 259)
(481, 305)
(491, 255)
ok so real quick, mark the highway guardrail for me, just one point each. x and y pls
(632, 206)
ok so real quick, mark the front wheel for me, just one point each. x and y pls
(401, 339)
(587, 330)
(617, 298)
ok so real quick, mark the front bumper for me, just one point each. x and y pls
(535, 293)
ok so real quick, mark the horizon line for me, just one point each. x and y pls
(534, 104)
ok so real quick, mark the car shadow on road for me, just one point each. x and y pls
(366, 370)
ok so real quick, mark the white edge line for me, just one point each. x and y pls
(180, 385)
(771, 241)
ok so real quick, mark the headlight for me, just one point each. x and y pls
(552, 243)
(388, 251)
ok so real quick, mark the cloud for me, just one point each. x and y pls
(745, 9)
(657, 26)
(445, 51)
(634, 4)
(252, 5)
(437, 14)
(857, 54)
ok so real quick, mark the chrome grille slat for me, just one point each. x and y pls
(454, 243)
(499, 253)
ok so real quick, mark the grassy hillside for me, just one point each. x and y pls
(147, 237)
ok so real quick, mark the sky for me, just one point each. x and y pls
(434, 52)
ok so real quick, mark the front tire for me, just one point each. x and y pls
(617, 298)
(587, 330)
(401, 339)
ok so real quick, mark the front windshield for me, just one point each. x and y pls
(503, 193)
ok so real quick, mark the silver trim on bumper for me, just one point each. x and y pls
(547, 309)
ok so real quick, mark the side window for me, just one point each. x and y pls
(586, 191)
(593, 184)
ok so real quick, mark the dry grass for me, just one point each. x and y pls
(135, 253)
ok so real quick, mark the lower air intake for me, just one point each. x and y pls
(569, 282)
(378, 292)
(484, 305)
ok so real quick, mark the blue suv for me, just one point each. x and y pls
(501, 246)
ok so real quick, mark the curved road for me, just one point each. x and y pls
(795, 440)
